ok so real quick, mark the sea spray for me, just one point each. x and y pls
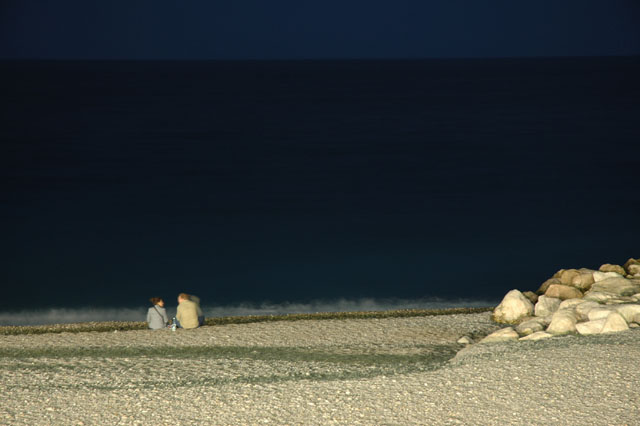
(91, 314)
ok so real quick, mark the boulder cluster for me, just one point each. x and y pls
(579, 301)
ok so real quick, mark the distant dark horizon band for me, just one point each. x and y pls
(331, 59)
(302, 181)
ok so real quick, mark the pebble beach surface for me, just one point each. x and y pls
(341, 371)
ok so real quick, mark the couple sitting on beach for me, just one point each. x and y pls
(188, 315)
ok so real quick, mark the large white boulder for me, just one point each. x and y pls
(546, 306)
(628, 311)
(599, 276)
(599, 313)
(590, 327)
(618, 286)
(562, 322)
(513, 308)
(570, 303)
(503, 335)
(582, 310)
(614, 323)
(598, 296)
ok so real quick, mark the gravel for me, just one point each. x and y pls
(356, 371)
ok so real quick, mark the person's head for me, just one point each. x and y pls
(157, 301)
(183, 296)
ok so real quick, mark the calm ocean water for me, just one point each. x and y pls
(273, 182)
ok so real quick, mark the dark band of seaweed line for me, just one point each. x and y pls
(140, 325)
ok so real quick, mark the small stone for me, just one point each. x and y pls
(607, 267)
(545, 285)
(465, 340)
(568, 275)
(529, 327)
(537, 336)
(502, 335)
(584, 281)
(563, 292)
(634, 270)
(533, 298)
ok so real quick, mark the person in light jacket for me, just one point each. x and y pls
(157, 314)
(187, 312)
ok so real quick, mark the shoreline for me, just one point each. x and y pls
(107, 326)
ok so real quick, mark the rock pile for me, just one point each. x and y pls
(582, 301)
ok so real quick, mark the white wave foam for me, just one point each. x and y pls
(71, 315)
(342, 305)
(86, 314)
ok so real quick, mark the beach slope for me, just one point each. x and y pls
(333, 371)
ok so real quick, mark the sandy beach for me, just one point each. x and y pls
(350, 371)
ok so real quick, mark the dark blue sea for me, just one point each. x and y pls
(310, 185)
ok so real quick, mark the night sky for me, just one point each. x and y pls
(67, 122)
(294, 29)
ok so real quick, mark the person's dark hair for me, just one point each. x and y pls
(155, 300)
